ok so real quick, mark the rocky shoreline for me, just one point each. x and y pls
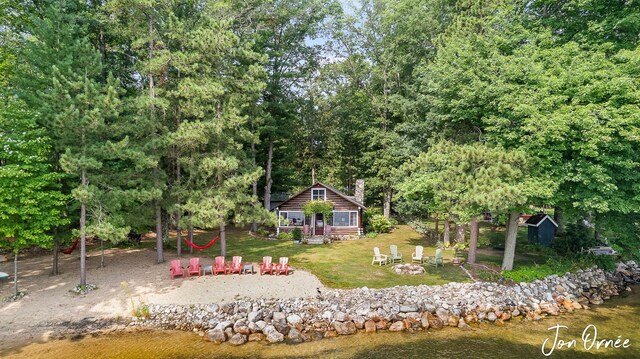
(401, 308)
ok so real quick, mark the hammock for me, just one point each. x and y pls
(201, 247)
(73, 246)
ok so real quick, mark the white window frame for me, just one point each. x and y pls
(304, 219)
(333, 221)
(324, 193)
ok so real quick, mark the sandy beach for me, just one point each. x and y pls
(129, 274)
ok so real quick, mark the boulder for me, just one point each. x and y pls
(369, 326)
(435, 322)
(442, 314)
(275, 337)
(346, 328)
(294, 334)
(255, 316)
(238, 339)
(216, 335)
(256, 337)
(294, 319)
(397, 326)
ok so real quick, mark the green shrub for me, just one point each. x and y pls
(285, 236)
(296, 234)
(380, 224)
(488, 276)
(576, 238)
(371, 235)
(539, 271)
(262, 232)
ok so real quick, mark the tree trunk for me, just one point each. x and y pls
(15, 272)
(101, 253)
(510, 241)
(83, 235)
(447, 235)
(254, 188)
(473, 240)
(558, 217)
(190, 233)
(56, 255)
(268, 179)
(436, 227)
(313, 175)
(178, 212)
(386, 202)
(460, 232)
(159, 251)
(223, 239)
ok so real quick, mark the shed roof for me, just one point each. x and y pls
(330, 188)
(537, 219)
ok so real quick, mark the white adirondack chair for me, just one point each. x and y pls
(379, 258)
(417, 255)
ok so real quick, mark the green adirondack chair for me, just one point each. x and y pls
(435, 260)
(395, 255)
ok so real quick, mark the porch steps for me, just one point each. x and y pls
(315, 240)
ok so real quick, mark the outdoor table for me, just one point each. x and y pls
(207, 268)
(248, 267)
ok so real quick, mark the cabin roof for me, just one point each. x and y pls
(537, 219)
(330, 188)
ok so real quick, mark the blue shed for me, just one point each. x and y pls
(542, 229)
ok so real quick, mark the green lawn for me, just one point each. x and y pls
(345, 264)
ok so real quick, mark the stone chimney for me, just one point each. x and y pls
(359, 195)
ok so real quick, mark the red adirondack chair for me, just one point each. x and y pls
(266, 265)
(176, 269)
(236, 265)
(219, 266)
(283, 266)
(194, 267)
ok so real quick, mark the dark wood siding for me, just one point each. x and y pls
(339, 203)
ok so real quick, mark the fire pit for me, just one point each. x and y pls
(408, 268)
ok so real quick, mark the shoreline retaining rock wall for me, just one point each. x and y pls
(401, 308)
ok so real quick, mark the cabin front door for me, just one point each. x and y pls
(319, 225)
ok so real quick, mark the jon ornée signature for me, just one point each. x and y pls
(590, 340)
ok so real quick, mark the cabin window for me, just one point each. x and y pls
(318, 194)
(291, 219)
(345, 218)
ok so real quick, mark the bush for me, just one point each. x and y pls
(380, 224)
(285, 236)
(539, 271)
(371, 235)
(296, 234)
(576, 238)
(262, 232)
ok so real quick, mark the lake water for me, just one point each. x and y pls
(517, 339)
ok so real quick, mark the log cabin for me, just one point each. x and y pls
(345, 221)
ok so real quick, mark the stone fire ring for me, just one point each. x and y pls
(408, 268)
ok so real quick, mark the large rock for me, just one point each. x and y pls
(238, 339)
(216, 335)
(359, 320)
(346, 328)
(340, 316)
(279, 317)
(224, 325)
(442, 314)
(256, 337)
(275, 337)
(255, 316)
(397, 326)
(294, 319)
(294, 334)
(370, 326)
(434, 322)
